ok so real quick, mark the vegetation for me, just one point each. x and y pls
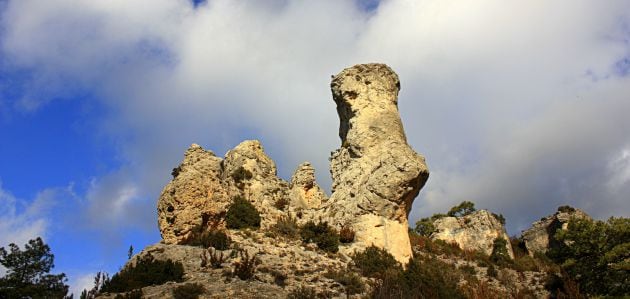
(100, 280)
(375, 262)
(147, 271)
(322, 234)
(462, 209)
(346, 234)
(302, 293)
(246, 267)
(212, 257)
(214, 238)
(597, 256)
(188, 291)
(281, 203)
(27, 272)
(425, 277)
(135, 294)
(499, 253)
(287, 226)
(242, 214)
(351, 282)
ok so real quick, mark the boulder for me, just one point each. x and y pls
(475, 231)
(376, 174)
(540, 237)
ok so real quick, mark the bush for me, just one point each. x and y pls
(346, 234)
(566, 209)
(597, 257)
(499, 252)
(351, 282)
(146, 272)
(246, 267)
(322, 234)
(188, 291)
(374, 262)
(492, 271)
(281, 203)
(499, 217)
(242, 214)
(287, 226)
(216, 238)
(215, 260)
(424, 278)
(302, 293)
(462, 209)
(425, 227)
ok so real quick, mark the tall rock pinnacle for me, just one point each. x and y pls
(376, 175)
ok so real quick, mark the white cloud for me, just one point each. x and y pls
(21, 221)
(517, 106)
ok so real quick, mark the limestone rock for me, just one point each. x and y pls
(204, 186)
(305, 192)
(540, 237)
(376, 175)
(250, 173)
(195, 195)
(475, 231)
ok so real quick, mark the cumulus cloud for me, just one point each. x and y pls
(20, 220)
(517, 106)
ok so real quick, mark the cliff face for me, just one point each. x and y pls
(475, 231)
(541, 236)
(376, 175)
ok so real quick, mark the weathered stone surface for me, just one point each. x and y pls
(204, 185)
(195, 195)
(376, 175)
(305, 192)
(540, 237)
(475, 231)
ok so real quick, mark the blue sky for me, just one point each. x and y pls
(520, 107)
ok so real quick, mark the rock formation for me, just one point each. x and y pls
(475, 231)
(305, 192)
(204, 185)
(376, 175)
(540, 237)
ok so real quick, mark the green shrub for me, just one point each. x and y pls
(425, 227)
(374, 262)
(188, 291)
(246, 267)
(146, 272)
(424, 278)
(242, 214)
(566, 209)
(597, 257)
(346, 234)
(492, 271)
(287, 226)
(322, 234)
(241, 174)
(462, 209)
(215, 238)
(302, 293)
(499, 252)
(351, 282)
(499, 217)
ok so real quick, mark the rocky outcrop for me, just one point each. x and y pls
(305, 192)
(475, 231)
(540, 237)
(376, 175)
(196, 196)
(204, 185)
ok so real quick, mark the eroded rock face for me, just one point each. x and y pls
(376, 175)
(204, 185)
(194, 196)
(305, 192)
(540, 237)
(475, 231)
